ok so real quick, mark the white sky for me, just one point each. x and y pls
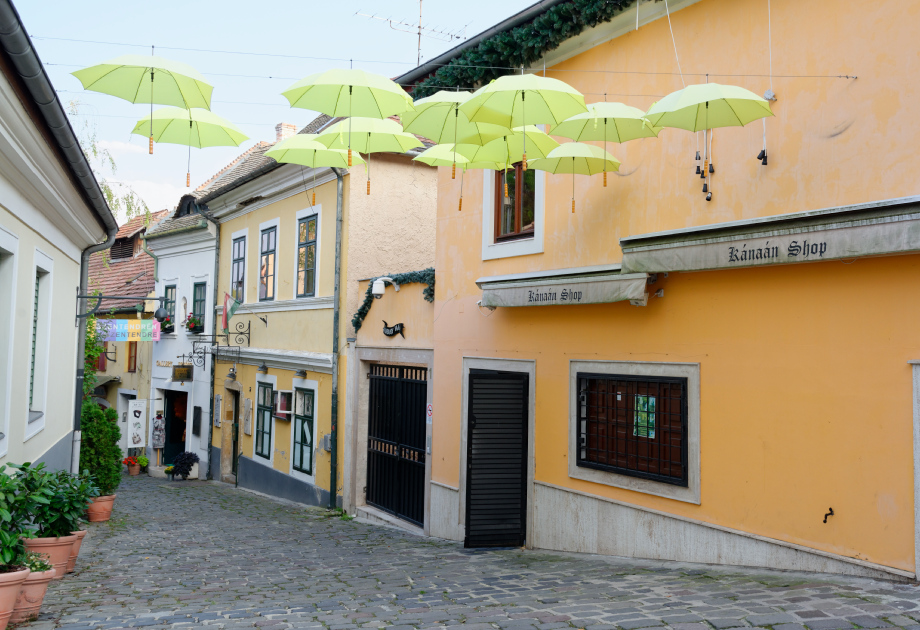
(247, 88)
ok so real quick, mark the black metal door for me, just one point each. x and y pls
(496, 469)
(396, 441)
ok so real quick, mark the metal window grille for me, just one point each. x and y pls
(267, 265)
(34, 340)
(303, 430)
(132, 356)
(238, 270)
(306, 257)
(634, 425)
(199, 290)
(264, 421)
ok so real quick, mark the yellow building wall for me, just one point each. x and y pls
(408, 307)
(805, 387)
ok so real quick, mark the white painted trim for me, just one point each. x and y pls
(302, 383)
(9, 266)
(444, 485)
(43, 273)
(297, 304)
(316, 210)
(273, 380)
(528, 367)
(288, 359)
(281, 183)
(240, 233)
(267, 225)
(244, 234)
(774, 541)
(690, 371)
(492, 250)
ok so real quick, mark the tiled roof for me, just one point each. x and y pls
(175, 224)
(123, 276)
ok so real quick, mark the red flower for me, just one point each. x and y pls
(130, 461)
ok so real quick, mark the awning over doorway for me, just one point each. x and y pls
(581, 285)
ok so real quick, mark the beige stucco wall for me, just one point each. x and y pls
(25, 443)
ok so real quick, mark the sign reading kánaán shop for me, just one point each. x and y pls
(804, 250)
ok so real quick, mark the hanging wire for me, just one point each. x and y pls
(674, 42)
(770, 58)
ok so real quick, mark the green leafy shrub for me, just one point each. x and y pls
(14, 508)
(57, 501)
(100, 454)
(142, 461)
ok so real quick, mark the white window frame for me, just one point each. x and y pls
(690, 371)
(303, 214)
(272, 223)
(301, 383)
(273, 381)
(42, 272)
(9, 259)
(244, 234)
(518, 247)
(190, 304)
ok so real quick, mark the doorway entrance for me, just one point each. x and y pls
(396, 441)
(175, 413)
(496, 461)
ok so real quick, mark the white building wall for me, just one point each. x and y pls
(185, 259)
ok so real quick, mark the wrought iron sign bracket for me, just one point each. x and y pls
(99, 298)
(239, 334)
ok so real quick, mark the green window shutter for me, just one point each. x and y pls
(303, 430)
(34, 339)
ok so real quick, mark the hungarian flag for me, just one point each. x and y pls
(230, 306)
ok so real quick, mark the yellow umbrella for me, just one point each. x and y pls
(303, 149)
(578, 159)
(448, 155)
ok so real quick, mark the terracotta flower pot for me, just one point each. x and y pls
(58, 550)
(134, 470)
(31, 594)
(10, 585)
(75, 550)
(100, 508)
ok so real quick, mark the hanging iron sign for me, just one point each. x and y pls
(395, 329)
(182, 373)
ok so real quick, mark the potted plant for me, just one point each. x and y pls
(143, 461)
(84, 489)
(54, 512)
(166, 326)
(170, 472)
(14, 505)
(100, 455)
(193, 323)
(134, 467)
(183, 464)
(33, 589)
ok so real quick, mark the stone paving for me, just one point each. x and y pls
(196, 554)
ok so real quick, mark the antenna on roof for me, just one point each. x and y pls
(443, 34)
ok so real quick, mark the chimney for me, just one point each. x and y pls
(284, 130)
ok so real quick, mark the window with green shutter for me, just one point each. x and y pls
(263, 436)
(306, 257)
(303, 430)
(199, 290)
(169, 304)
(34, 340)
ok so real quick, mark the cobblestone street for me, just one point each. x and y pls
(197, 554)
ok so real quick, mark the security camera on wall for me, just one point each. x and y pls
(379, 287)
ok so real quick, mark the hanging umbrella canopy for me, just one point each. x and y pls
(443, 155)
(517, 100)
(194, 127)
(368, 135)
(303, 149)
(578, 159)
(707, 106)
(606, 122)
(437, 117)
(349, 93)
(129, 77)
(509, 149)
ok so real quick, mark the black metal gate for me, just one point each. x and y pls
(496, 460)
(396, 441)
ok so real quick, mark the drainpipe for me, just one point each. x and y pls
(334, 434)
(210, 475)
(81, 343)
(156, 261)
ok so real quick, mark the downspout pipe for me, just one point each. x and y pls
(204, 211)
(334, 414)
(156, 260)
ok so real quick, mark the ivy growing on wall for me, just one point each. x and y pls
(425, 276)
(520, 46)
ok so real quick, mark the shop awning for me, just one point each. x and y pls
(582, 285)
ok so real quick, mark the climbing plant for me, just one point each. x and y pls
(520, 46)
(425, 276)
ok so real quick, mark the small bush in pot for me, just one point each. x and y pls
(14, 508)
(33, 590)
(100, 453)
(143, 462)
(183, 464)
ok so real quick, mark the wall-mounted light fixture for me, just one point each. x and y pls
(263, 368)
(300, 374)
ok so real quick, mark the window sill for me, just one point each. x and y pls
(35, 416)
(513, 247)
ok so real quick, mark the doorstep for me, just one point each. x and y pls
(379, 517)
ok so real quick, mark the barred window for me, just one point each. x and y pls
(634, 425)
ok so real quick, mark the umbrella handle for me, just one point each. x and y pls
(150, 146)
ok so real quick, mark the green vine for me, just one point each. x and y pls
(520, 46)
(425, 276)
